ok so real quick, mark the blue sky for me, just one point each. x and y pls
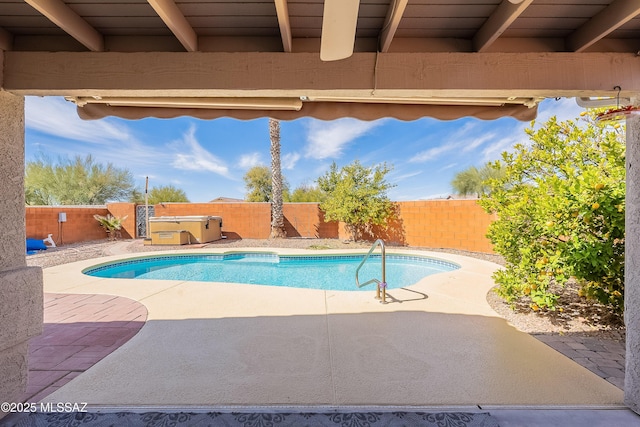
(207, 159)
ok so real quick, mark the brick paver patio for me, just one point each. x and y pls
(605, 358)
(79, 331)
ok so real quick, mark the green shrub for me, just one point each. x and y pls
(357, 196)
(560, 208)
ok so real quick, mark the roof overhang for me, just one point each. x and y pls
(367, 85)
(265, 57)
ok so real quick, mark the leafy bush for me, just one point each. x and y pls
(357, 196)
(560, 208)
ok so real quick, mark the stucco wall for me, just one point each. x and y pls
(21, 301)
(632, 267)
(12, 244)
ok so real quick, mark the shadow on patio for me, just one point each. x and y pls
(385, 358)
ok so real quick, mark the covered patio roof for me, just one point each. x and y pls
(212, 58)
(295, 58)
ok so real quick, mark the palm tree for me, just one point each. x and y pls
(277, 216)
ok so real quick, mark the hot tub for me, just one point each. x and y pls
(200, 229)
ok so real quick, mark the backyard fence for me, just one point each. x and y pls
(454, 224)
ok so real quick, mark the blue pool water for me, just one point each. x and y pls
(335, 272)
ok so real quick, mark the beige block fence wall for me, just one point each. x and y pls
(454, 224)
(80, 226)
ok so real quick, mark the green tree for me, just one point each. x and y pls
(475, 181)
(136, 197)
(79, 181)
(166, 193)
(560, 208)
(307, 193)
(277, 215)
(259, 185)
(357, 196)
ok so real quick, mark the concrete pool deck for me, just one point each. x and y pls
(217, 344)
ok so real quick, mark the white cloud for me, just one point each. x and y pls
(190, 155)
(431, 153)
(60, 132)
(449, 166)
(57, 117)
(328, 139)
(469, 139)
(289, 160)
(473, 143)
(249, 160)
(466, 128)
(465, 139)
(563, 109)
(406, 176)
(494, 150)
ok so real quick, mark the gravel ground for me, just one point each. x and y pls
(70, 253)
(579, 318)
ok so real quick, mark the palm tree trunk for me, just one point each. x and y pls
(277, 215)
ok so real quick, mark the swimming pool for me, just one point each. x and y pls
(329, 272)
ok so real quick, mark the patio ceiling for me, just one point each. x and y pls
(280, 57)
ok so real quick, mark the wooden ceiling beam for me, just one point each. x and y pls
(282, 10)
(498, 22)
(263, 74)
(177, 23)
(6, 39)
(72, 23)
(391, 23)
(610, 18)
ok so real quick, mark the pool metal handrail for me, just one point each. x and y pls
(381, 285)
